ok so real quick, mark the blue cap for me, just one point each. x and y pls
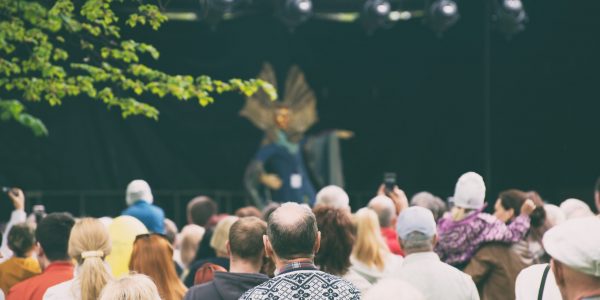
(417, 219)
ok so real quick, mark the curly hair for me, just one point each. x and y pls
(337, 239)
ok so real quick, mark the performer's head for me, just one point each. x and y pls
(282, 117)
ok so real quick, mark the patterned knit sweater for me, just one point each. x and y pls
(304, 285)
(459, 240)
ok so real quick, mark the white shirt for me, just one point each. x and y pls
(528, 283)
(16, 217)
(435, 279)
(68, 290)
(391, 266)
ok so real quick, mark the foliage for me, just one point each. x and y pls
(51, 51)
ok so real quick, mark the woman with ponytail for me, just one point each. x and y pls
(89, 243)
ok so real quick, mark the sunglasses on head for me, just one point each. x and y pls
(147, 235)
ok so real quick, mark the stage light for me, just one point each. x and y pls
(508, 16)
(441, 14)
(376, 13)
(294, 12)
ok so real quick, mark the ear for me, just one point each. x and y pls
(268, 247)
(558, 271)
(228, 246)
(317, 243)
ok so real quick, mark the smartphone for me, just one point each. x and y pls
(389, 181)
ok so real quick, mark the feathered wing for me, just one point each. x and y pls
(301, 100)
(259, 107)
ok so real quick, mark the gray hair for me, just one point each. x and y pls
(333, 195)
(431, 202)
(384, 208)
(134, 286)
(417, 242)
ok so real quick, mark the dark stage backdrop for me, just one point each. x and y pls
(415, 101)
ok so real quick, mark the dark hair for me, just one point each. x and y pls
(514, 199)
(53, 235)
(269, 209)
(201, 209)
(248, 211)
(293, 240)
(21, 239)
(337, 239)
(246, 238)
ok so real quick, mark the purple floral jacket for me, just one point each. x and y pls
(459, 240)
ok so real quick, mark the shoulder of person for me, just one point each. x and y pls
(487, 218)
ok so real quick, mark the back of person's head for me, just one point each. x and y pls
(334, 196)
(416, 230)
(53, 235)
(392, 289)
(427, 200)
(292, 231)
(513, 199)
(337, 239)
(384, 207)
(246, 239)
(575, 208)
(554, 215)
(218, 241)
(248, 211)
(131, 287)
(200, 210)
(269, 209)
(190, 238)
(171, 231)
(152, 255)
(369, 248)
(469, 192)
(21, 239)
(138, 190)
(89, 243)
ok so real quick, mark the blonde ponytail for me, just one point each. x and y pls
(89, 243)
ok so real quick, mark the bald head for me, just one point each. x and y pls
(385, 210)
(292, 231)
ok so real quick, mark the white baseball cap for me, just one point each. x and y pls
(415, 218)
(576, 244)
(138, 190)
(469, 191)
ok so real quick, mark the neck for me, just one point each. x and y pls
(237, 265)
(280, 263)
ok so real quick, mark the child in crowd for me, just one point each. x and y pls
(466, 227)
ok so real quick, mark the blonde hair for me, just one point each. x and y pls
(459, 213)
(190, 238)
(130, 287)
(89, 243)
(369, 248)
(219, 238)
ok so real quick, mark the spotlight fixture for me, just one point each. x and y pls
(212, 11)
(294, 12)
(376, 13)
(441, 14)
(508, 16)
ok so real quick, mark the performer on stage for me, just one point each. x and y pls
(289, 166)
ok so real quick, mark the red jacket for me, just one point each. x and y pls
(391, 239)
(35, 287)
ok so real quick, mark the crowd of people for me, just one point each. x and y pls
(392, 248)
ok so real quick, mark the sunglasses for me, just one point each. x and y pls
(147, 235)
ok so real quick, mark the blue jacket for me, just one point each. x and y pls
(152, 216)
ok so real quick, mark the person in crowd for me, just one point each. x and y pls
(384, 207)
(575, 258)
(22, 265)
(528, 284)
(171, 235)
(292, 240)
(422, 268)
(218, 243)
(337, 240)
(393, 289)
(189, 240)
(507, 208)
(153, 256)
(371, 257)
(248, 211)
(467, 221)
(554, 215)
(246, 251)
(200, 210)
(597, 195)
(18, 215)
(131, 287)
(431, 202)
(52, 234)
(575, 208)
(123, 230)
(333, 195)
(89, 243)
(269, 209)
(139, 198)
